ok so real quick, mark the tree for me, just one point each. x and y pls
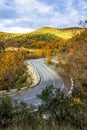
(83, 23)
(62, 108)
(2, 46)
(6, 111)
(11, 68)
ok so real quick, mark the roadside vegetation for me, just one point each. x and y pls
(13, 72)
(61, 111)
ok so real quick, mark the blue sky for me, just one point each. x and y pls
(28, 15)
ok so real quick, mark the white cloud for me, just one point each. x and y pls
(73, 12)
(2, 4)
(15, 29)
(34, 14)
(32, 6)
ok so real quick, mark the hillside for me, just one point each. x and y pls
(40, 38)
(66, 33)
(63, 33)
(4, 36)
(69, 47)
(71, 52)
(75, 58)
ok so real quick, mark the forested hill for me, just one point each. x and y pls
(69, 48)
(68, 45)
(66, 33)
(63, 33)
(75, 58)
(4, 35)
(39, 38)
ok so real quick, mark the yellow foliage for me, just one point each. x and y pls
(77, 100)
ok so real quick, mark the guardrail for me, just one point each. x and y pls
(72, 86)
(35, 77)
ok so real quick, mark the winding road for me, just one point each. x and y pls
(48, 77)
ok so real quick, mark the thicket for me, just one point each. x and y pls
(59, 110)
(12, 71)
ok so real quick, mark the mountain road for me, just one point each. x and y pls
(47, 77)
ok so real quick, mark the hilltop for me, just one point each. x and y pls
(40, 37)
(65, 33)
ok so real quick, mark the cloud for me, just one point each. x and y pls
(15, 29)
(31, 6)
(2, 4)
(31, 14)
(71, 13)
(5, 26)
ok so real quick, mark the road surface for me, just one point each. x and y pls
(48, 77)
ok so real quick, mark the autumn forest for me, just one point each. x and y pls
(69, 46)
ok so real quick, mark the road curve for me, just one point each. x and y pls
(48, 77)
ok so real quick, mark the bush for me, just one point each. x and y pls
(6, 111)
(62, 109)
(21, 81)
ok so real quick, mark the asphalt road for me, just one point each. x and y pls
(48, 77)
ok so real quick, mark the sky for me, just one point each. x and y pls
(20, 16)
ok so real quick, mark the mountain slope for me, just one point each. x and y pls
(40, 37)
(4, 36)
(66, 33)
(69, 44)
(75, 58)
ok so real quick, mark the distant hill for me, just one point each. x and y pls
(66, 33)
(4, 36)
(40, 36)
